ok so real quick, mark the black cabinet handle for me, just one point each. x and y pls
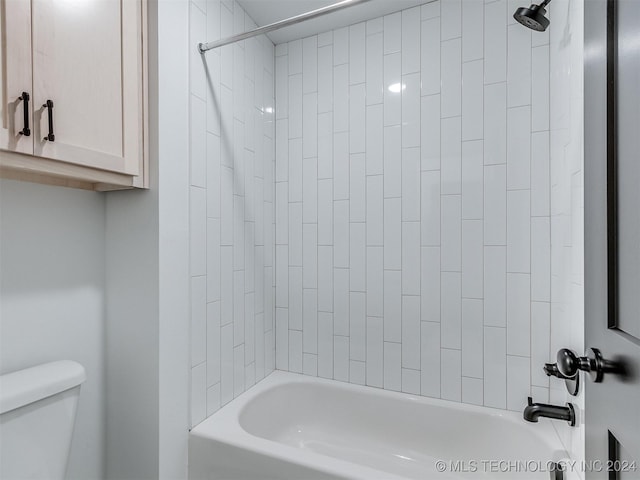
(25, 105)
(49, 106)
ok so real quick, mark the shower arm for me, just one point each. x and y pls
(203, 47)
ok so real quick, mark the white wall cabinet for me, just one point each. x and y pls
(83, 65)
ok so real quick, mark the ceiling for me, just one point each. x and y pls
(265, 12)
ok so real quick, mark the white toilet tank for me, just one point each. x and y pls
(37, 413)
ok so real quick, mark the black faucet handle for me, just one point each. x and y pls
(551, 370)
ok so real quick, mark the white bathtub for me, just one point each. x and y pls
(296, 427)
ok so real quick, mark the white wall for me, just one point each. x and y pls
(52, 298)
(231, 208)
(413, 228)
(567, 202)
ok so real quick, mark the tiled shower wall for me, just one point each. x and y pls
(413, 236)
(231, 208)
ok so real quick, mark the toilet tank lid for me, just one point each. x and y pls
(23, 387)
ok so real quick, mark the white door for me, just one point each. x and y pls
(16, 129)
(86, 64)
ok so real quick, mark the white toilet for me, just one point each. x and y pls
(37, 413)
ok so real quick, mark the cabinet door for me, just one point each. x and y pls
(15, 76)
(87, 60)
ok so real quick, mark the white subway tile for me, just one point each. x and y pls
(472, 338)
(375, 25)
(282, 340)
(393, 233)
(430, 208)
(472, 391)
(495, 124)
(310, 64)
(310, 255)
(198, 231)
(518, 66)
(341, 166)
(310, 321)
(540, 354)
(495, 367)
(472, 180)
(238, 308)
(357, 119)
(430, 53)
(430, 284)
(226, 287)
(495, 42)
(358, 258)
(411, 41)
(197, 31)
(451, 77)
(451, 375)
(518, 231)
(341, 358)
(282, 150)
(325, 79)
(357, 202)
(519, 148)
(310, 190)
(392, 89)
(451, 233)
(518, 383)
(411, 258)
(357, 58)
(392, 33)
(249, 332)
(495, 205)
(451, 156)
(375, 210)
(375, 351)
(375, 284)
(340, 98)
(325, 345)
(213, 343)
(430, 142)
(411, 198)
(295, 298)
(358, 326)
(540, 259)
(430, 10)
(472, 259)
(341, 233)
(411, 332)
(451, 18)
(374, 69)
(451, 308)
(198, 151)
(325, 278)
(430, 366)
(325, 145)
(295, 170)
(392, 306)
(198, 394)
(226, 372)
(341, 46)
(198, 320)
(213, 259)
(282, 87)
(392, 366)
(540, 177)
(213, 399)
(472, 30)
(392, 162)
(310, 364)
(295, 351)
(495, 286)
(540, 85)
(374, 140)
(325, 212)
(295, 57)
(518, 314)
(357, 372)
(282, 276)
(472, 100)
(411, 108)
(295, 234)
(341, 301)
(310, 125)
(213, 176)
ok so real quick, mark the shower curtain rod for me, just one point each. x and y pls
(203, 47)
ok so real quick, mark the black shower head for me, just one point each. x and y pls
(533, 17)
